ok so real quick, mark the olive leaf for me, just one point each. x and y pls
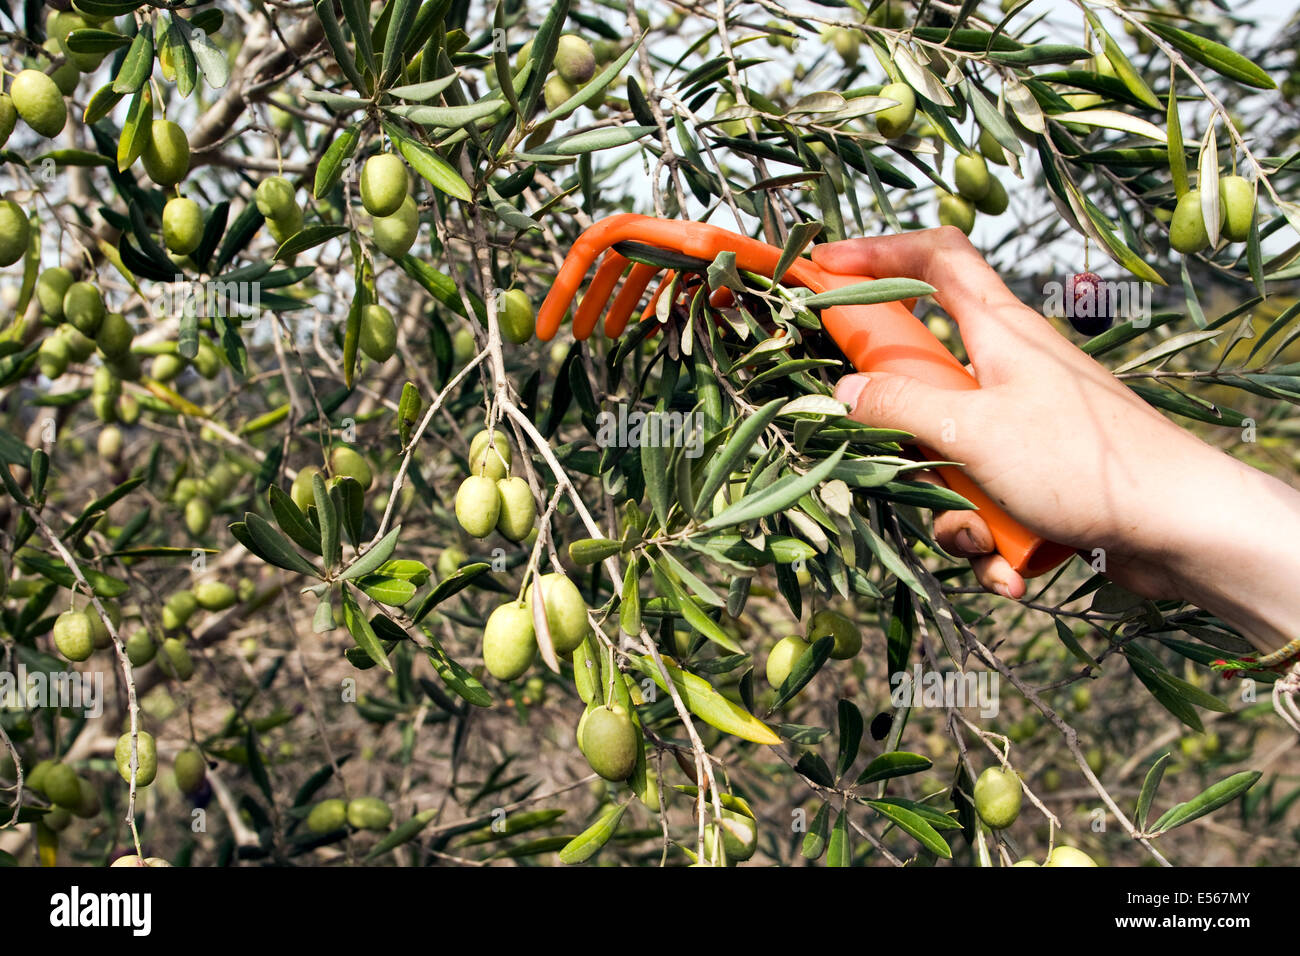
(707, 704)
(1207, 801)
(379, 553)
(915, 826)
(590, 841)
(1148, 793)
(463, 578)
(270, 545)
(897, 763)
(362, 632)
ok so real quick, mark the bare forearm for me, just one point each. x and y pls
(1235, 554)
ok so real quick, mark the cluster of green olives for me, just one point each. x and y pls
(490, 498)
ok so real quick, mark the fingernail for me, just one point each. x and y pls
(966, 541)
(1002, 589)
(850, 388)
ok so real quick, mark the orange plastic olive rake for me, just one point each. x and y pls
(884, 337)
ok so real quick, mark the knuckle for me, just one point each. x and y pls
(952, 238)
(883, 400)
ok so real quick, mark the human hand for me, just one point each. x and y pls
(1058, 442)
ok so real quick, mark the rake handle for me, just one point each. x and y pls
(884, 337)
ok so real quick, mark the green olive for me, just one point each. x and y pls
(327, 816)
(286, 228)
(140, 648)
(166, 155)
(109, 444)
(889, 14)
(146, 758)
(198, 515)
(384, 184)
(114, 336)
(57, 819)
(74, 635)
(847, 44)
(166, 367)
(369, 813)
(1187, 232)
(509, 643)
(739, 835)
(105, 382)
(214, 595)
(275, 198)
(848, 639)
(39, 101)
(478, 505)
(207, 361)
(346, 462)
(557, 92)
(378, 335)
(1237, 197)
(190, 770)
(735, 128)
(36, 778)
(182, 225)
(893, 121)
(491, 462)
(62, 786)
(516, 317)
(463, 346)
(1069, 856)
(66, 76)
(98, 631)
(956, 211)
(610, 742)
(52, 357)
(176, 661)
(84, 62)
(782, 658)
(518, 514)
(395, 234)
(80, 347)
(15, 232)
(991, 149)
(997, 797)
(450, 561)
(88, 802)
(566, 612)
(179, 606)
(575, 61)
(8, 117)
(302, 490)
(970, 173)
(51, 287)
(995, 201)
(83, 306)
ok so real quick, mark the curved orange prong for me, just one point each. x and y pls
(722, 298)
(598, 293)
(625, 302)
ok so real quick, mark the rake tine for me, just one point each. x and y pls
(625, 302)
(598, 293)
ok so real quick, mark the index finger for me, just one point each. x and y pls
(967, 287)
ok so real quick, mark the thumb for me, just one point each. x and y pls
(885, 400)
